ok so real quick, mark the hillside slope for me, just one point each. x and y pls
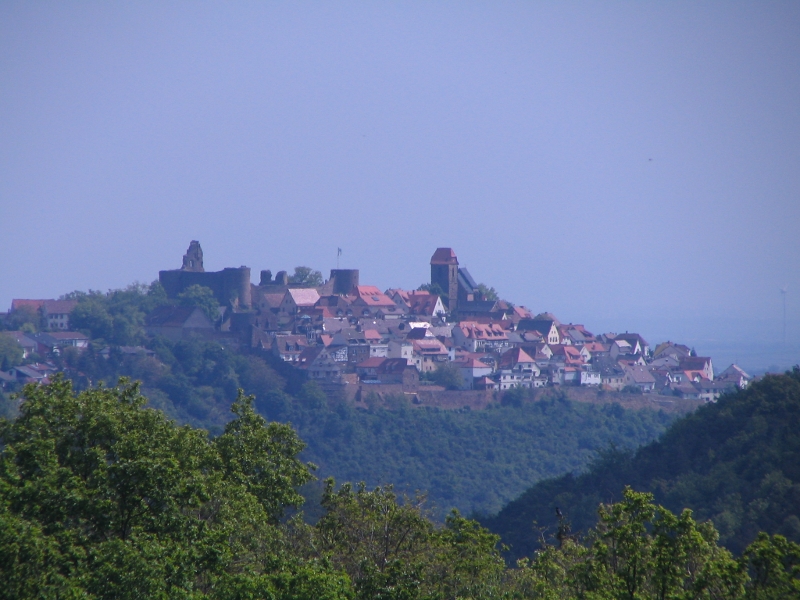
(475, 461)
(735, 462)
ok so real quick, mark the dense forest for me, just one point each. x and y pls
(735, 462)
(103, 497)
(475, 461)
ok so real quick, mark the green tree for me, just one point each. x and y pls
(391, 550)
(487, 293)
(631, 389)
(517, 396)
(23, 318)
(262, 458)
(10, 352)
(91, 315)
(638, 550)
(102, 497)
(433, 288)
(449, 376)
(201, 297)
(306, 276)
(734, 462)
(116, 317)
(312, 396)
(773, 563)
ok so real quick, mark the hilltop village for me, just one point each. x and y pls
(356, 339)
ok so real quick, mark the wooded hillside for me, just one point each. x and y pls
(735, 462)
(101, 497)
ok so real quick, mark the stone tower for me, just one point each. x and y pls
(231, 286)
(344, 281)
(193, 259)
(444, 273)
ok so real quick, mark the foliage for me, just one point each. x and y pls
(517, 395)
(101, 497)
(735, 462)
(201, 297)
(773, 563)
(474, 461)
(631, 389)
(487, 293)
(391, 550)
(118, 316)
(23, 318)
(638, 550)
(448, 376)
(306, 277)
(433, 288)
(10, 352)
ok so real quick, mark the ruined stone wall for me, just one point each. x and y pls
(228, 284)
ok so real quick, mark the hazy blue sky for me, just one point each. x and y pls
(625, 165)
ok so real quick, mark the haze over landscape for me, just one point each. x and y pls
(626, 166)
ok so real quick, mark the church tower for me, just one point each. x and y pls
(444, 273)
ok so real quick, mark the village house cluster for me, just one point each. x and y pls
(344, 334)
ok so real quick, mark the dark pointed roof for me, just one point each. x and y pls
(444, 256)
(466, 280)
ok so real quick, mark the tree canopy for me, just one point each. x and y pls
(116, 317)
(306, 276)
(448, 375)
(487, 293)
(103, 497)
(202, 297)
(433, 288)
(736, 462)
(10, 352)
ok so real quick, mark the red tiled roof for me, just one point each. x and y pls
(522, 312)
(694, 363)
(595, 347)
(422, 303)
(304, 296)
(372, 362)
(17, 303)
(471, 363)
(429, 345)
(372, 296)
(59, 307)
(391, 292)
(328, 312)
(482, 331)
(514, 356)
(394, 365)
